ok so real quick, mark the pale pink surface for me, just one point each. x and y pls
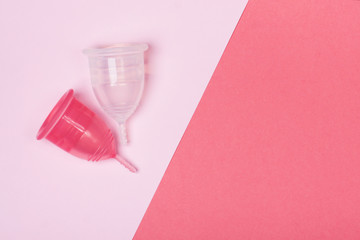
(273, 149)
(47, 193)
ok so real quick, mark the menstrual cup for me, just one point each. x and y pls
(79, 131)
(117, 77)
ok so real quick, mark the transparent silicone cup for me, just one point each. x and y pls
(79, 131)
(117, 78)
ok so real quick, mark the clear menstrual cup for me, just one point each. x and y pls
(79, 131)
(117, 77)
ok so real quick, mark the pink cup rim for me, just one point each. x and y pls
(55, 115)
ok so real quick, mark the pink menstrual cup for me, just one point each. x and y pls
(79, 131)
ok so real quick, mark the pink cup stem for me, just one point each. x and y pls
(126, 163)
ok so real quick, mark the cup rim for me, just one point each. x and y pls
(55, 115)
(116, 49)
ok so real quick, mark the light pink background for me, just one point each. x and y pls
(47, 194)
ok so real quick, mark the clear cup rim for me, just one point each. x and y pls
(116, 49)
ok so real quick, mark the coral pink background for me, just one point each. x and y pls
(273, 149)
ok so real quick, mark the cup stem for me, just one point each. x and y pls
(127, 164)
(122, 133)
